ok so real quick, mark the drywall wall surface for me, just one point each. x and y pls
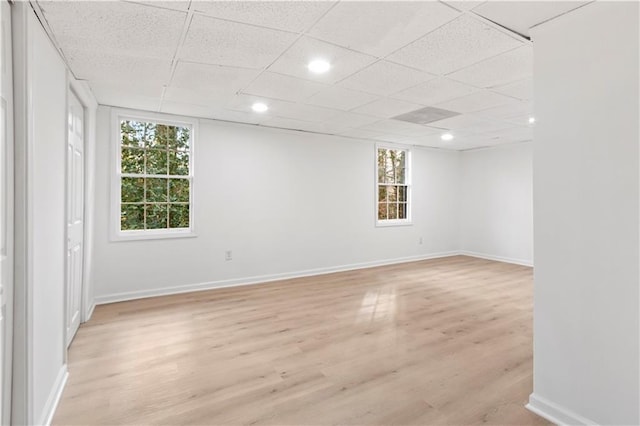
(284, 203)
(48, 142)
(496, 203)
(586, 215)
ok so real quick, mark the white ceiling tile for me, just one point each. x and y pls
(387, 108)
(379, 28)
(520, 120)
(146, 100)
(471, 123)
(477, 102)
(118, 70)
(390, 137)
(219, 42)
(435, 91)
(516, 134)
(298, 111)
(352, 120)
(463, 5)
(522, 89)
(115, 27)
(515, 109)
(238, 116)
(505, 68)
(399, 128)
(344, 62)
(212, 80)
(181, 5)
(288, 123)
(455, 45)
(384, 78)
(340, 98)
(278, 86)
(196, 97)
(360, 134)
(294, 16)
(520, 16)
(186, 109)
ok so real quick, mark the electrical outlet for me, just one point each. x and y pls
(228, 255)
(420, 240)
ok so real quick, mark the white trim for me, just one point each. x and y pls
(83, 92)
(523, 262)
(555, 413)
(54, 397)
(117, 235)
(236, 282)
(89, 312)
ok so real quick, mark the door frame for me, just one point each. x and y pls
(89, 105)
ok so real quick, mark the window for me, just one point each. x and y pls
(154, 178)
(393, 192)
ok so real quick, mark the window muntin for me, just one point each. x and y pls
(393, 185)
(154, 177)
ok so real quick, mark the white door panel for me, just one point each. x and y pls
(75, 214)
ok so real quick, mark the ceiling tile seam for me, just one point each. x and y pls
(460, 10)
(204, 15)
(154, 5)
(447, 75)
(209, 64)
(174, 61)
(300, 35)
(564, 13)
(504, 30)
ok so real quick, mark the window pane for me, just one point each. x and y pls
(382, 193)
(382, 156)
(156, 162)
(179, 190)
(179, 216)
(160, 137)
(156, 216)
(132, 160)
(402, 193)
(132, 190)
(157, 190)
(389, 166)
(179, 163)
(392, 193)
(400, 174)
(130, 134)
(393, 211)
(132, 217)
(180, 138)
(402, 211)
(382, 211)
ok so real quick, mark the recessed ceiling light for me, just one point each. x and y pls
(259, 107)
(446, 136)
(532, 120)
(319, 66)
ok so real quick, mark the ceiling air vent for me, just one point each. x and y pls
(426, 115)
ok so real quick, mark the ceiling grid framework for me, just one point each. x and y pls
(214, 59)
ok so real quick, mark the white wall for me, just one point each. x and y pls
(284, 202)
(496, 203)
(40, 172)
(586, 216)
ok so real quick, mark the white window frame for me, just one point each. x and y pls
(408, 171)
(148, 234)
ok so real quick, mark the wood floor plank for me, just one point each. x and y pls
(445, 341)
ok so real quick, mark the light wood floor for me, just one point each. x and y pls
(444, 341)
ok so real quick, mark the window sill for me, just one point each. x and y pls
(151, 235)
(388, 223)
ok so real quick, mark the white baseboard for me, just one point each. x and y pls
(121, 297)
(89, 312)
(54, 397)
(522, 262)
(555, 413)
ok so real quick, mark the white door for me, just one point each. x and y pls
(6, 211)
(75, 214)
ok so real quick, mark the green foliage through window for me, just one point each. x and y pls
(393, 188)
(155, 175)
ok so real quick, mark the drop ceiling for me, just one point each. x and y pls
(214, 59)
